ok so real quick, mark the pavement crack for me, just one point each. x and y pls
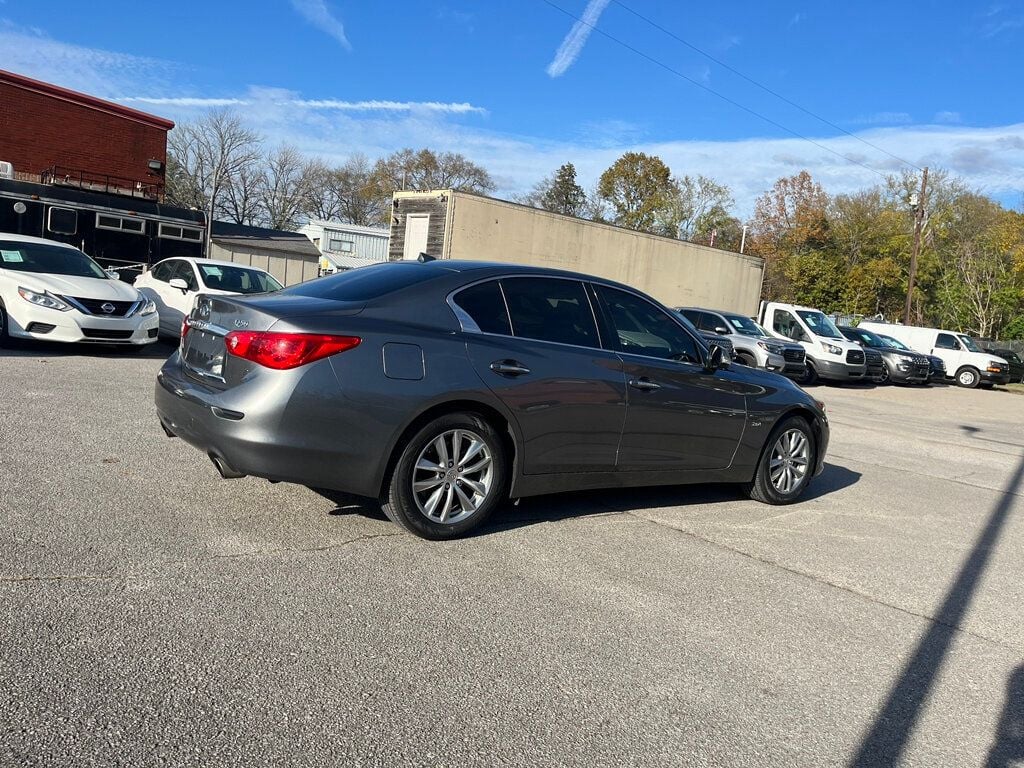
(826, 582)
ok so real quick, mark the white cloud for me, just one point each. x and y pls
(287, 98)
(573, 43)
(319, 15)
(884, 118)
(947, 117)
(30, 52)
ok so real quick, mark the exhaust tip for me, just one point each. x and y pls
(226, 470)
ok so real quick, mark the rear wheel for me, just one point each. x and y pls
(968, 377)
(449, 477)
(786, 465)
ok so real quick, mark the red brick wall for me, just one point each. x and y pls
(38, 130)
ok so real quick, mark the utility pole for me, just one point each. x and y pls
(919, 209)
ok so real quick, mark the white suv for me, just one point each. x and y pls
(53, 292)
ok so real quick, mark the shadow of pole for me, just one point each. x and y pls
(885, 742)
(1009, 746)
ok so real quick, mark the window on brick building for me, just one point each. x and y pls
(63, 221)
(176, 232)
(119, 223)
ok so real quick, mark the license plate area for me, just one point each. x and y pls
(203, 354)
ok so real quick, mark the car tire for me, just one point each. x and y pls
(432, 505)
(810, 376)
(791, 443)
(968, 377)
(744, 359)
(884, 377)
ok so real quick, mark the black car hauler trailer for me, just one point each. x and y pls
(117, 230)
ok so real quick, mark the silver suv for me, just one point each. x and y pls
(753, 345)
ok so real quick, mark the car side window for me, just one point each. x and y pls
(185, 272)
(641, 328)
(550, 309)
(783, 322)
(947, 341)
(693, 316)
(163, 270)
(485, 306)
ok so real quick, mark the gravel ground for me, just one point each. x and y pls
(153, 614)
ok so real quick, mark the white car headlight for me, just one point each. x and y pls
(45, 299)
(148, 308)
(832, 348)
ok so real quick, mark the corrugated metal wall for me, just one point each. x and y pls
(288, 270)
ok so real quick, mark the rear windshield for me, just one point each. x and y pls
(364, 283)
(47, 259)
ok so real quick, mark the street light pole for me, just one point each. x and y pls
(919, 210)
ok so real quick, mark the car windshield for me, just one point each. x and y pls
(889, 341)
(746, 326)
(968, 342)
(819, 324)
(221, 277)
(43, 258)
(865, 337)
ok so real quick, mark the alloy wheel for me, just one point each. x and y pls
(790, 460)
(453, 476)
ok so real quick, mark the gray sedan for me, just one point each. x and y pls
(441, 388)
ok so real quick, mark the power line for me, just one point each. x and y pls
(763, 87)
(712, 91)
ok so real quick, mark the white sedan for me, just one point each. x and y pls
(174, 284)
(53, 292)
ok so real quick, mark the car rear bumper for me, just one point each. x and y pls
(31, 322)
(253, 434)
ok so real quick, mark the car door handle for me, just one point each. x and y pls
(509, 368)
(645, 384)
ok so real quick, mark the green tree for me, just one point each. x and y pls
(561, 194)
(639, 190)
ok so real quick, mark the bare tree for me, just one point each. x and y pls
(240, 201)
(210, 152)
(283, 187)
(424, 170)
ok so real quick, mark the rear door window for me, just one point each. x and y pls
(484, 305)
(550, 309)
(184, 270)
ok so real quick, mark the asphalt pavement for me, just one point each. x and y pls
(154, 614)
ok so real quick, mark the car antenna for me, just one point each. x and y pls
(423, 258)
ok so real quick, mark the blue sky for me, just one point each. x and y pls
(520, 86)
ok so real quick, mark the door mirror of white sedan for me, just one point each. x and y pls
(179, 283)
(113, 274)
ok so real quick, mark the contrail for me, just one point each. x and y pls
(573, 43)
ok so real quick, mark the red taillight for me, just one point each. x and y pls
(286, 350)
(184, 328)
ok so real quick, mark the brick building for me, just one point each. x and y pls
(49, 130)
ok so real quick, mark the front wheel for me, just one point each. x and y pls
(786, 465)
(884, 377)
(968, 377)
(809, 377)
(449, 477)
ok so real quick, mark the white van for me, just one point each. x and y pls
(966, 363)
(830, 355)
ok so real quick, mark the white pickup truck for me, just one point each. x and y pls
(830, 355)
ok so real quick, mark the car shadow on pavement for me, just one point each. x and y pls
(564, 506)
(160, 350)
(1008, 748)
(887, 737)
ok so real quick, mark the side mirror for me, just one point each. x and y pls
(179, 283)
(721, 330)
(714, 359)
(113, 274)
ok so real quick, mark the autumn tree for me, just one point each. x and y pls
(425, 170)
(640, 191)
(698, 207)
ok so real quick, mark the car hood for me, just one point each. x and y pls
(79, 287)
(891, 352)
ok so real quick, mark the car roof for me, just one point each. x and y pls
(216, 262)
(12, 238)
